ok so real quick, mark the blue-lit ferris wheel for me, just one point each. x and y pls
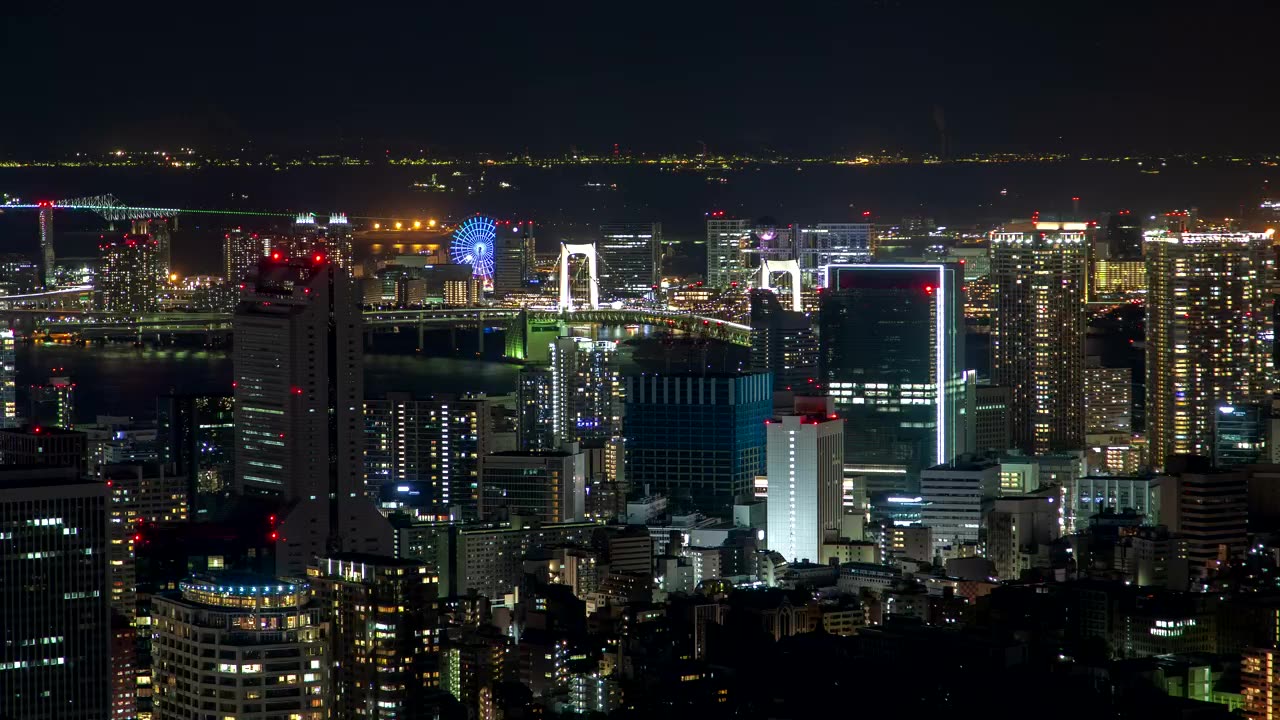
(472, 244)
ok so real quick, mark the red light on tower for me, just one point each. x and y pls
(317, 258)
(928, 289)
(275, 255)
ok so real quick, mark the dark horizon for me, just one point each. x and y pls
(1083, 77)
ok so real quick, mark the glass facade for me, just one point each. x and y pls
(890, 357)
(630, 257)
(698, 439)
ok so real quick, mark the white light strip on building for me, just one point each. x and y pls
(940, 415)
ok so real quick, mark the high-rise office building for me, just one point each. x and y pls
(535, 422)
(54, 612)
(196, 434)
(47, 257)
(549, 485)
(783, 343)
(1108, 398)
(8, 379)
(1239, 435)
(52, 446)
(699, 439)
(630, 259)
(241, 253)
(823, 244)
(1117, 277)
(437, 442)
(128, 278)
(332, 240)
(953, 494)
(53, 404)
(142, 494)
(238, 646)
(1208, 508)
(513, 257)
(383, 641)
(805, 455)
(1209, 333)
(891, 358)
(991, 418)
(1039, 271)
(1020, 527)
(586, 390)
(161, 230)
(299, 396)
(726, 239)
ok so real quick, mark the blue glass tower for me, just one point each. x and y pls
(698, 439)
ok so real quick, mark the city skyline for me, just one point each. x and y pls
(447, 362)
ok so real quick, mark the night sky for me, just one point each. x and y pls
(785, 76)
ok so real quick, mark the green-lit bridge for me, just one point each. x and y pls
(521, 324)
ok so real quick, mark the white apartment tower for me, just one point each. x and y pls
(805, 460)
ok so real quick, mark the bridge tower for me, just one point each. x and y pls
(790, 267)
(46, 245)
(568, 250)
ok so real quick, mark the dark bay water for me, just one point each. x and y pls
(120, 379)
(123, 380)
(570, 201)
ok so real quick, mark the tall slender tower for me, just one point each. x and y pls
(8, 379)
(725, 240)
(586, 390)
(299, 395)
(805, 456)
(1038, 273)
(46, 245)
(1209, 333)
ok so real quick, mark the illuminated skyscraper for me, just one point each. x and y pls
(196, 433)
(241, 252)
(630, 256)
(379, 607)
(54, 610)
(46, 246)
(299, 396)
(53, 404)
(513, 258)
(1108, 398)
(725, 240)
(257, 639)
(333, 240)
(805, 455)
(891, 354)
(549, 485)
(586, 390)
(1209, 333)
(161, 230)
(128, 278)
(8, 380)
(436, 442)
(698, 439)
(825, 244)
(782, 342)
(1039, 272)
(535, 428)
